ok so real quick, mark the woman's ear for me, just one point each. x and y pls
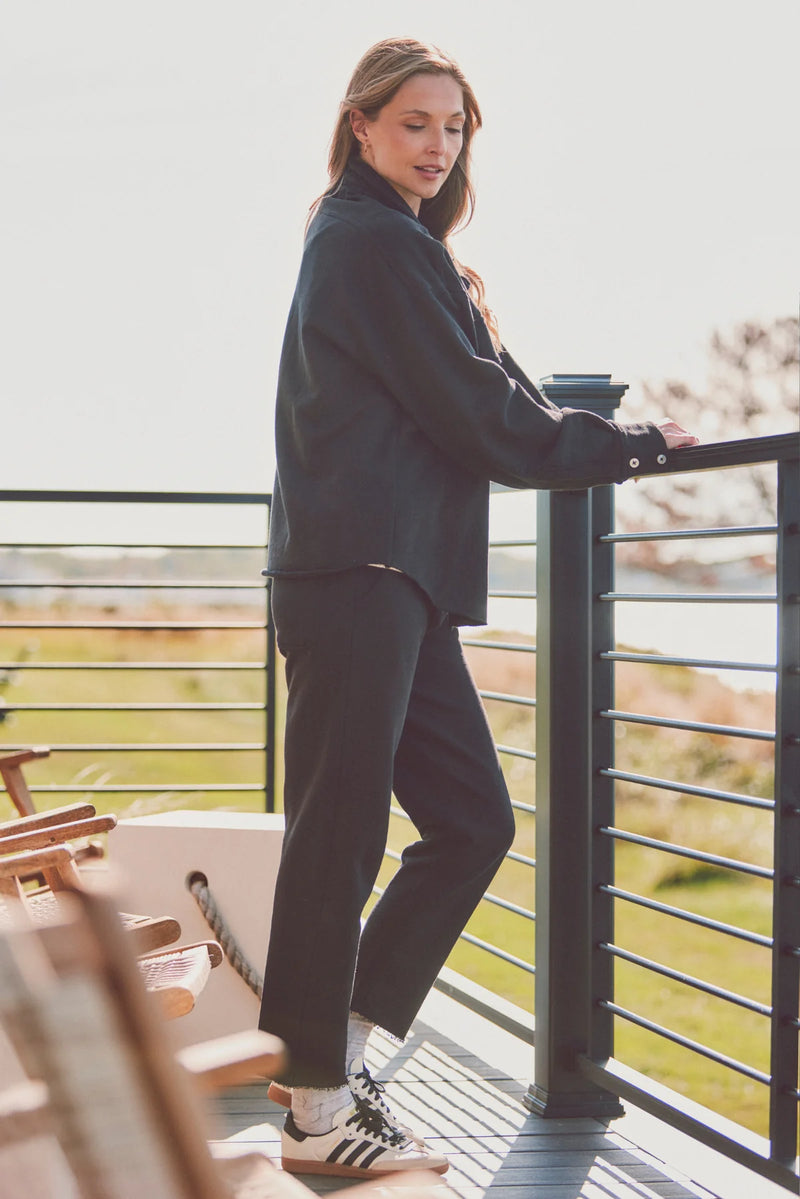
(358, 123)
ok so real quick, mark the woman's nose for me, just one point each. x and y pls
(437, 143)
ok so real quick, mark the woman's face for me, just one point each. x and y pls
(415, 138)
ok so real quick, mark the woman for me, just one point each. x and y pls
(397, 406)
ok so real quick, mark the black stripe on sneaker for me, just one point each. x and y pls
(367, 1162)
(362, 1147)
(336, 1153)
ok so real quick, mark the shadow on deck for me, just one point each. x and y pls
(469, 1104)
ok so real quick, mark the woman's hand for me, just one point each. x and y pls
(675, 436)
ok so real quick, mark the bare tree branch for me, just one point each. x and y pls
(753, 390)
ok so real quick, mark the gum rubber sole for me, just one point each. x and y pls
(296, 1166)
(283, 1096)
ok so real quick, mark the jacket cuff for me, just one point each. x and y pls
(644, 450)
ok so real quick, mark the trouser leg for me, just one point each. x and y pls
(351, 643)
(448, 779)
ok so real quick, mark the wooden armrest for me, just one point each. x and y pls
(64, 815)
(150, 933)
(9, 761)
(14, 865)
(176, 978)
(24, 1112)
(56, 834)
(235, 1059)
(214, 951)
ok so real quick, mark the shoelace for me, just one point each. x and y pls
(374, 1088)
(372, 1121)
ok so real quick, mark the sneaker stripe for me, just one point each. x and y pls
(336, 1153)
(360, 1144)
(363, 1147)
(367, 1161)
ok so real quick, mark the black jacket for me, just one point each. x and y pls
(394, 412)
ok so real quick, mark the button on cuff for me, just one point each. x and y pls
(661, 459)
(634, 462)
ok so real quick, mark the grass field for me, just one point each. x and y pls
(155, 777)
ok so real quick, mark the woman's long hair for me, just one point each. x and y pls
(380, 73)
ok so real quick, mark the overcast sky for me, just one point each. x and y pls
(637, 181)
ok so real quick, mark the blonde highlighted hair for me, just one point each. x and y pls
(380, 73)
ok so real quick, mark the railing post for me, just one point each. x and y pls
(601, 849)
(786, 896)
(564, 782)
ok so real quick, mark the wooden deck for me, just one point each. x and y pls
(461, 1082)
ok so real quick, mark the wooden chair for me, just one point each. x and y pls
(126, 1115)
(14, 780)
(19, 793)
(176, 975)
(78, 816)
(71, 823)
(32, 1165)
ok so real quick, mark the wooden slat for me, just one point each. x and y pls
(228, 1061)
(56, 834)
(63, 815)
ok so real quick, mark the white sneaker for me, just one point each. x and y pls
(361, 1144)
(364, 1086)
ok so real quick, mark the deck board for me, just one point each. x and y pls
(464, 1090)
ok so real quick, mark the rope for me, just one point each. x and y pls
(197, 883)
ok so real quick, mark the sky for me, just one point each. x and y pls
(638, 180)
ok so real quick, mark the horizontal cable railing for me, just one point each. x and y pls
(702, 663)
(645, 780)
(501, 704)
(721, 1059)
(627, 952)
(665, 909)
(682, 851)
(680, 976)
(511, 646)
(663, 821)
(683, 598)
(189, 714)
(688, 726)
(502, 914)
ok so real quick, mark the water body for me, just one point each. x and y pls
(736, 632)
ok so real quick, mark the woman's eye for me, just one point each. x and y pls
(415, 127)
(458, 130)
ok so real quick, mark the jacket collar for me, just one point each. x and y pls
(360, 179)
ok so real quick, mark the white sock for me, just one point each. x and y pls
(358, 1030)
(313, 1108)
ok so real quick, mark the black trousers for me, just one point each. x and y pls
(379, 700)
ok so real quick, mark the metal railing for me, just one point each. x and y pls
(580, 900)
(70, 608)
(579, 894)
(778, 1158)
(579, 838)
(522, 799)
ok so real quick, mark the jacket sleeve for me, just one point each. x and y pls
(398, 308)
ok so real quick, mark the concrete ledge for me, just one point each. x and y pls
(238, 852)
